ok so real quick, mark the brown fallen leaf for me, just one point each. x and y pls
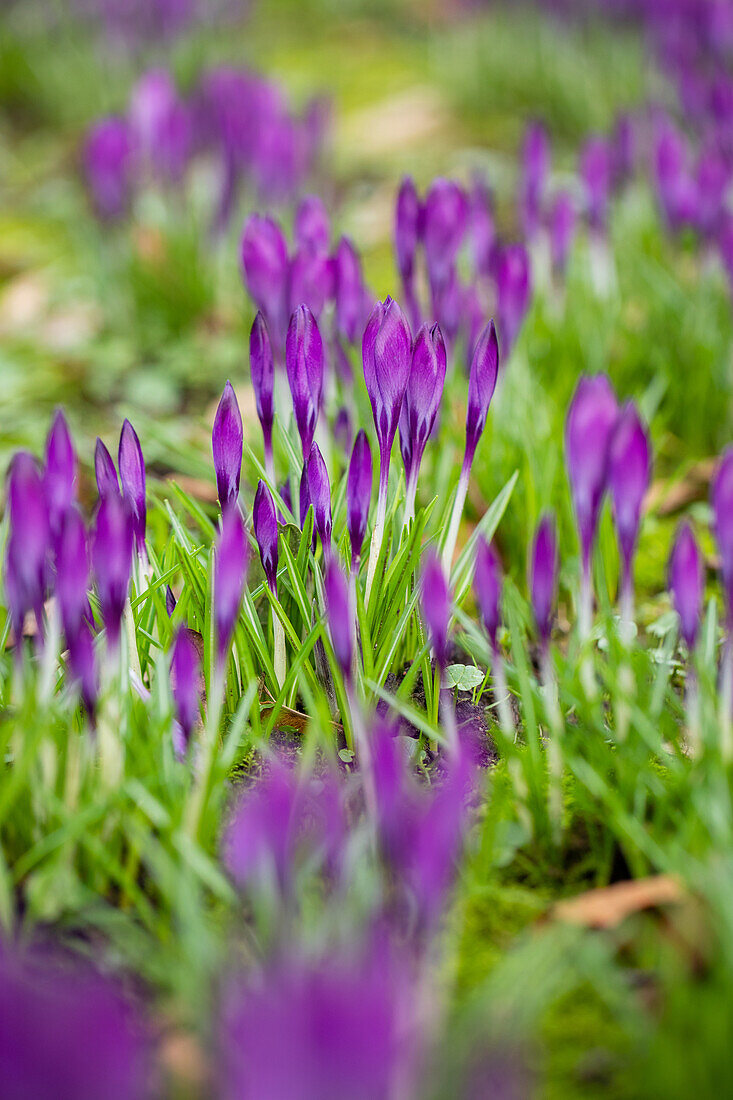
(666, 498)
(183, 1060)
(609, 906)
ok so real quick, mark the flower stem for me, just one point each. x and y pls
(410, 494)
(269, 459)
(554, 746)
(585, 625)
(456, 515)
(378, 533)
(278, 637)
(199, 794)
(726, 699)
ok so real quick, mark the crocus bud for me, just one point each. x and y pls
(543, 576)
(59, 475)
(436, 606)
(536, 164)
(28, 542)
(483, 230)
(161, 125)
(108, 163)
(562, 231)
(230, 572)
(262, 371)
(589, 427)
(358, 495)
(265, 266)
(72, 572)
(170, 601)
(304, 499)
(342, 430)
(311, 229)
(422, 397)
(226, 444)
(629, 473)
(111, 560)
(513, 292)
(348, 290)
(264, 519)
(407, 228)
(722, 504)
(340, 617)
(386, 355)
(311, 281)
(481, 386)
(104, 470)
(445, 219)
(487, 584)
(132, 475)
(185, 681)
(319, 491)
(304, 361)
(596, 164)
(82, 665)
(687, 583)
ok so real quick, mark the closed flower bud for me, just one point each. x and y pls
(340, 617)
(342, 430)
(266, 266)
(436, 606)
(358, 495)
(230, 573)
(348, 290)
(312, 230)
(264, 519)
(83, 665)
(422, 396)
(59, 475)
(543, 576)
(319, 492)
(112, 545)
(386, 347)
(536, 164)
(596, 165)
(481, 386)
(304, 361)
(108, 165)
(687, 583)
(304, 499)
(226, 443)
(104, 471)
(407, 228)
(562, 231)
(722, 504)
(132, 476)
(483, 230)
(589, 428)
(311, 280)
(185, 674)
(72, 572)
(28, 542)
(629, 473)
(513, 293)
(445, 217)
(487, 584)
(262, 372)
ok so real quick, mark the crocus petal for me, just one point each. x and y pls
(185, 672)
(319, 492)
(722, 504)
(304, 361)
(112, 545)
(59, 475)
(226, 442)
(104, 470)
(487, 585)
(230, 574)
(264, 519)
(629, 474)
(436, 606)
(543, 575)
(358, 494)
(589, 428)
(132, 476)
(687, 583)
(340, 616)
(481, 386)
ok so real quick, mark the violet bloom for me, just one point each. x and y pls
(536, 166)
(721, 499)
(420, 404)
(687, 583)
(342, 430)
(543, 567)
(673, 177)
(104, 470)
(624, 149)
(304, 361)
(264, 519)
(265, 265)
(311, 280)
(340, 616)
(28, 542)
(445, 219)
(108, 165)
(563, 222)
(319, 493)
(312, 230)
(483, 229)
(513, 293)
(436, 606)
(132, 476)
(589, 428)
(59, 475)
(185, 674)
(595, 170)
(226, 444)
(83, 666)
(408, 216)
(487, 585)
(304, 499)
(358, 496)
(112, 546)
(230, 574)
(72, 573)
(629, 474)
(348, 290)
(161, 125)
(262, 371)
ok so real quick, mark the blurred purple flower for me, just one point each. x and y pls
(83, 665)
(312, 230)
(687, 583)
(589, 427)
(358, 495)
(72, 573)
(266, 268)
(304, 361)
(340, 616)
(487, 585)
(264, 518)
(160, 125)
(348, 290)
(104, 470)
(483, 229)
(563, 222)
(673, 177)
(28, 542)
(185, 675)
(132, 477)
(445, 220)
(629, 474)
(513, 293)
(543, 568)
(226, 444)
(112, 545)
(108, 165)
(262, 372)
(319, 493)
(721, 500)
(311, 280)
(407, 230)
(535, 169)
(59, 474)
(435, 601)
(230, 574)
(342, 430)
(596, 166)
(422, 399)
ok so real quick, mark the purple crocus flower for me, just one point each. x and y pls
(265, 265)
(83, 666)
(262, 371)
(28, 542)
(589, 427)
(629, 474)
(421, 403)
(445, 218)
(348, 290)
(358, 496)
(342, 430)
(687, 583)
(72, 572)
(624, 149)
(312, 230)
(132, 476)
(513, 293)
(108, 165)
(264, 519)
(408, 217)
(563, 221)
(386, 355)
(226, 444)
(487, 585)
(311, 280)
(481, 385)
(536, 165)
(319, 493)
(543, 567)
(340, 617)
(304, 499)
(596, 166)
(185, 673)
(304, 361)
(59, 475)
(112, 545)
(104, 470)
(673, 177)
(230, 574)
(161, 125)
(436, 606)
(722, 505)
(483, 229)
